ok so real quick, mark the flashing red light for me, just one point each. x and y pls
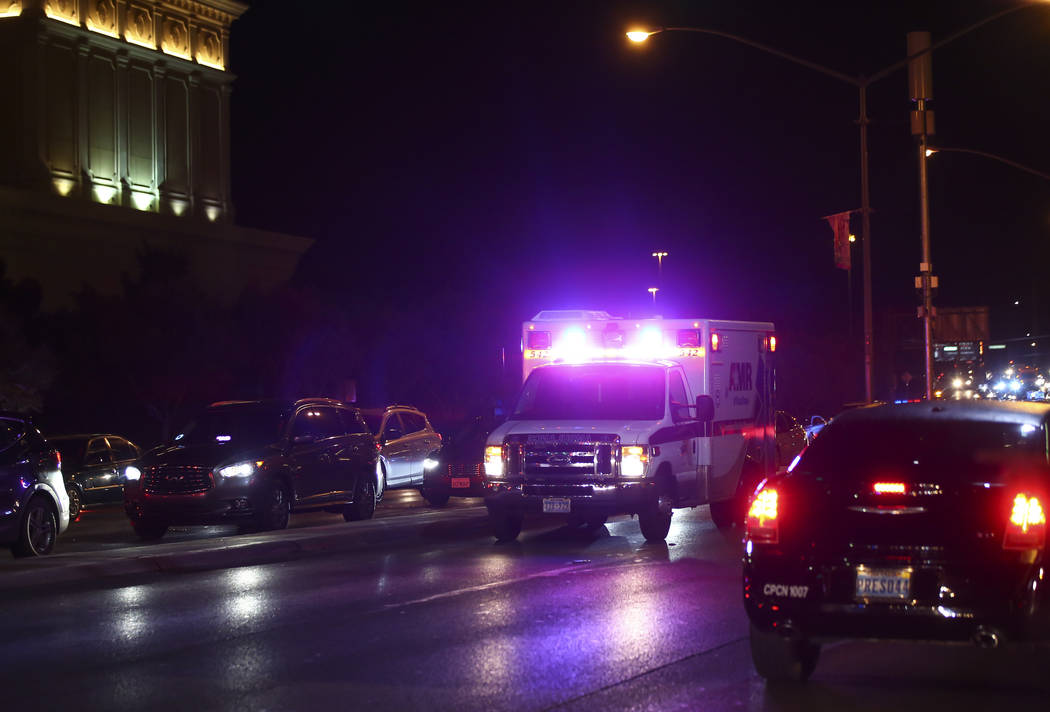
(689, 338)
(1026, 528)
(763, 526)
(889, 488)
(538, 340)
(715, 341)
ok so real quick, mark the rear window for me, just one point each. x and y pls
(952, 452)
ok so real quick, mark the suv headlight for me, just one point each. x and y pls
(132, 473)
(633, 460)
(240, 469)
(494, 460)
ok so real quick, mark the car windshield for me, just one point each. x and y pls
(945, 452)
(593, 392)
(248, 424)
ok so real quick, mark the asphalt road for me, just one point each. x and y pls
(561, 619)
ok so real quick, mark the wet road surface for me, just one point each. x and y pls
(561, 619)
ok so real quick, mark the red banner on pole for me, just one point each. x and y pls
(840, 226)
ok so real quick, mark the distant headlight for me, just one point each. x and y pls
(132, 473)
(240, 469)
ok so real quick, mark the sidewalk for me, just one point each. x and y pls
(232, 551)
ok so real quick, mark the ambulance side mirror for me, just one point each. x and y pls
(705, 413)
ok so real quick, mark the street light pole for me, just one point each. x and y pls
(639, 36)
(920, 83)
(865, 246)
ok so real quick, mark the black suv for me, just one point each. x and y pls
(251, 463)
(922, 521)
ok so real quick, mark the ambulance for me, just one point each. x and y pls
(634, 416)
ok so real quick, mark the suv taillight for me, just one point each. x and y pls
(1026, 528)
(763, 526)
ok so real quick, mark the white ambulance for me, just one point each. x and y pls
(634, 416)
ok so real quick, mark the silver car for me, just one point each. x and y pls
(406, 442)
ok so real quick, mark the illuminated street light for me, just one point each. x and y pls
(653, 291)
(861, 83)
(640, 36)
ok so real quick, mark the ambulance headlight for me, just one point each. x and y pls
(494, 461)
(633, 461)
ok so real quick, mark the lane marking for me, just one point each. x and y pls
(484, 587)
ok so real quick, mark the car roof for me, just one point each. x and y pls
(958, 411)
(280, 403)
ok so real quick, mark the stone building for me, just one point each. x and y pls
(114, 138)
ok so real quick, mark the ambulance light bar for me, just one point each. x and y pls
(575, 345)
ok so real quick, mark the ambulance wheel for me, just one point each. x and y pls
(505, 525)
(726, 513)
(781, 659)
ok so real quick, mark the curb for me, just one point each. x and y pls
(218, 554)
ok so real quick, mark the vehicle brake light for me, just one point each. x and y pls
(494, 460)
(633, 460)
(538, 340)
(1027, 526)
(762, 524)
(889, 488)
(58, 459)
(714, 341)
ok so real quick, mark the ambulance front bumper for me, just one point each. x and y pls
(607, 497)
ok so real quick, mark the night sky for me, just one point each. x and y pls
(479, 162)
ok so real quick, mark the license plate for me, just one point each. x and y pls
(556, 505)
(883, 584)
(461, 483)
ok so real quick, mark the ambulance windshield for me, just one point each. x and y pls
(603, 391)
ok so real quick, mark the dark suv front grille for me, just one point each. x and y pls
(186, 479)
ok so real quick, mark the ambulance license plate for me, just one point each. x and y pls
(460, 483)
(883, 584)
(556, 505)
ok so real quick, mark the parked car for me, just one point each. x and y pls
(922, 521)
(93, 467)
(406, 441)
(456, 469)
(254, 462)
(790, 437)
(34, 508)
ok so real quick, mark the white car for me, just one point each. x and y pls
(406, 442)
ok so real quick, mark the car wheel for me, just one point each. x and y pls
(76, 501)
(435, 499)
(364, 504)
(273, 512)
(506, 526)
(781, 659)
(38, 529)
(149, 529)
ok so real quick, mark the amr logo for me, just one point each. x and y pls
(740, 376)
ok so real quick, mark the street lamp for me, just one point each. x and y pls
(639, 36)
(660, 266)
(653, 291)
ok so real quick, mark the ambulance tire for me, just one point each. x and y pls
(654, 524)
(727, 513)
(505, 525)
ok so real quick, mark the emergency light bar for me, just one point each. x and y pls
(583, 342)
